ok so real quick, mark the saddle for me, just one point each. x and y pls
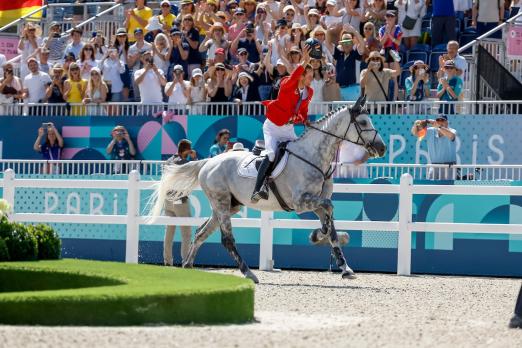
(249, 166)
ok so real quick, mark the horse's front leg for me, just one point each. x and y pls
(323, 207)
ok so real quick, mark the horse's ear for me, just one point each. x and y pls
(359, 103)
(363, 101)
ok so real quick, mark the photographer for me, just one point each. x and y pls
(150, 80)
(56, 43)
(418, 87)
(178, 90)
(55, 90)
(51, 148)
(121, 147)
(376, 78)
(441, 144)
(179, 208)
(246, 42)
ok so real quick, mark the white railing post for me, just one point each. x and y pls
(9, 188)
(133, 205)
(405, 217)
(266, 234)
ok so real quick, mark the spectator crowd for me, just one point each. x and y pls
(238, 51)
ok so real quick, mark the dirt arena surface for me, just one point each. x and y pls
(314, 309)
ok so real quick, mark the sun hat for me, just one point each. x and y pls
(295, 49)
(331, 3)
(449, 64)
(185, 2)
(154, 24)
(217, 26)
(244, 74)
(418, 63)
(288, 8)
(165, 2)
(121, 31)
(212, 2)
(297, 26)
(220, 66)
(375, 54)
(314, 12)
(241, 50)
(389, 13)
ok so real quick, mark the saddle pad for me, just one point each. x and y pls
(247, 167)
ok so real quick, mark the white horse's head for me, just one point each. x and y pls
(360, 131)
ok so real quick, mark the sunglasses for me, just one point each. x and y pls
(291, 14)
(95, 74)
(243, 53)
(368, 29)
(188, 20)
(220, 69)
(9, 71)
(75, 69)
(375, 60)
(239, 14)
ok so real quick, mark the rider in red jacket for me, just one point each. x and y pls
(290, 107)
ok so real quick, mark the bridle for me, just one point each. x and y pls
(354, 112)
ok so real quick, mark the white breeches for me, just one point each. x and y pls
(274, 135)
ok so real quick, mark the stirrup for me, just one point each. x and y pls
(256, 196)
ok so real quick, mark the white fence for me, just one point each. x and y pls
(404, 226)
(470, 172)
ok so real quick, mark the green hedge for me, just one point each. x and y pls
(19, 242)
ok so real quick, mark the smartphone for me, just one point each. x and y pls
(45, 125)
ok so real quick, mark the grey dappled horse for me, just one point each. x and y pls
(305, 184)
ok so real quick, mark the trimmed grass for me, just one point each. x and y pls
(79, 292)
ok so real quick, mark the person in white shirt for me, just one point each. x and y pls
(150, 80)
(36, 83)
(3, 60)
(351, 157)
(178, 90)
(76, 45)
(133, 57)
(28, 44)
(112, 67)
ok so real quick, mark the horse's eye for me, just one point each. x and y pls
(363, 123)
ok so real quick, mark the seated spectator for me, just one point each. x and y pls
(35, 84)
(134, 58)
(376, 13)
(487, 14)
(449, 88)
(417, 87)
(121, 148)
(86, 61)
(161, 51)
(179, 52)
(96, 93)
(28, 44)
(137, 18)
(220, 144)
(244, 91)
(150, 80)
(76, 45)
(192, 38)
(375, 79)
(345, 58)
(414, 9)
(166, 18)
(74, 90)
(246, 41)
(10, 85)
(55, 90)
(178, 90)
(112, 69)
(50, 147)
(56, 43)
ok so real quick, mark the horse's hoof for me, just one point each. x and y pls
(187, 265)
(252, 276)
(516, 322)
(349, 274)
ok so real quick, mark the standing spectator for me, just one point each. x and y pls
(449, 88)
(43, 60)
(98, 42)
(10, 88)
(50, 148)
(390, 36)
(250, 9)
(112, 69)
(371, 43)
(487, 14)
(3, 60)
(121, 147)
(244, 63)
(376, 13)
(96, 93)
(137, 18)
(375, 79)
(318, 83)
(345, 58)
(220, 84)
(333, 16)
(245, 91)
(246, 40)
(86, 61)
(121, 44)
(192, 38)
(312, 21)
(28, 44)
(442, 149)
(35, 84)
(161, 51)
(443, 22)
(166, 18)
(278, 41)
(354, 13)
(238, 23)
(69, 59)
(179, 208)
(214, 40)
(178, 90)
(134, 58)
(56, 89)
(352, 158)
(150, 81)
(153, 28)
(76, 45)
(414, 10)
(74, 89)
(296, 38)
(187, 9)
(514, 8)
(289, 14)
(417, 87)
(197, 92)
(179, 52)
(56, 44)
(220, 144)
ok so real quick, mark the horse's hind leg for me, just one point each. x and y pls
(204, 231)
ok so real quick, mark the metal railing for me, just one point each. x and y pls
(470, 172)
(424, 108)
(267, 223)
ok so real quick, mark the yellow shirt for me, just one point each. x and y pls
(145, 13)
(168, 19)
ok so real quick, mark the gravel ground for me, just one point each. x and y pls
(309, 309)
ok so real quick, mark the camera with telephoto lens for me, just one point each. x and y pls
(423, 124)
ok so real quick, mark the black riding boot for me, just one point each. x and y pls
(516, 321)
(262, 174)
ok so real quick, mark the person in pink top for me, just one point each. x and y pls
(238, 24)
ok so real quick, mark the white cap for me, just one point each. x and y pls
(197, 72)
(288, 8)
(331, 2)
(280, 62)
(165, 2)
(177, 67)
(238, 147)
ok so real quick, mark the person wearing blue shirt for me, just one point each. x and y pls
(449, 88)
(121, 147)
(345, 58)
(220, 144)
(443, 22)
(440, 139)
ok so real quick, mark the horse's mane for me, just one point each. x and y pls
(321, 122)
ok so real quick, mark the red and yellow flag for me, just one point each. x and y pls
(11, 10)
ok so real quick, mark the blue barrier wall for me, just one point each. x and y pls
(481, 139)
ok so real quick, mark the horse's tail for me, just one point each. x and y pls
(176, 181)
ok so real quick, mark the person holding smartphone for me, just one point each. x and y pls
(49, 143)
(121, 147)
(150, 80)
